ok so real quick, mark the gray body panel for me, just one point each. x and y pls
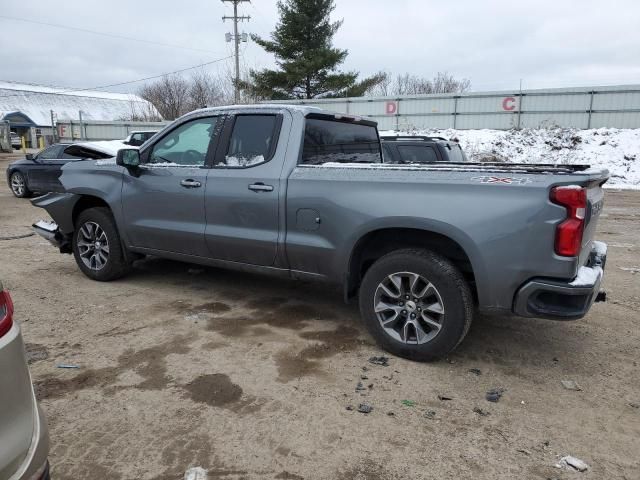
(313, 218)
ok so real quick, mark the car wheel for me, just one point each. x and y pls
(416, 304)
(19, 185)
(97, 247)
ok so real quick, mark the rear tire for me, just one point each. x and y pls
(416, 304)
(97, 247)
(18, 183)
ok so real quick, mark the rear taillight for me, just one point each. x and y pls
(6, 312)
(569, 232)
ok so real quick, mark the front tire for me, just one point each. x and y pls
(416, 304)
(97, 247)
(18, 184)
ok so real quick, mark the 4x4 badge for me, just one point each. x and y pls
(501, 180)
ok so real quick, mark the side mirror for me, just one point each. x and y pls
(29, 156)
(128, 157)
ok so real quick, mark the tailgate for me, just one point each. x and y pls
(595, 202)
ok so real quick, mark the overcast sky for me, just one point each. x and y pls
(494, 43)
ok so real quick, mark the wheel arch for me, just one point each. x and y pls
(378, 242)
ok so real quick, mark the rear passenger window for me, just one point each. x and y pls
(333, 141)
(253, 141)
(417, 154)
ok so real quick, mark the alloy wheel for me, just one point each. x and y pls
(409, 308)
(18, 185)
(93, 246)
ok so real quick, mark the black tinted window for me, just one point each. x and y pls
(333, 141)
(69, 156)
(50, 152)
(387, 154)
(417, 154)
(252, 142)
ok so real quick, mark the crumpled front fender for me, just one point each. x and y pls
(60, 207)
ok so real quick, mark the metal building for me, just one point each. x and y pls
(31, 110)
(581, 107)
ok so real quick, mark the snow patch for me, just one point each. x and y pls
(587, 276)
(616, 150)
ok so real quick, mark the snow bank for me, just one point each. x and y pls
(614, 149)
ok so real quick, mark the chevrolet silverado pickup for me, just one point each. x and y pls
(301, 192)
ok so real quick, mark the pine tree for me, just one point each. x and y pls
(308, 62)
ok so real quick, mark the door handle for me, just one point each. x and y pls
(189, 183)
(260, 187)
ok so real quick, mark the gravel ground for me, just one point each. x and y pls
(255, 378)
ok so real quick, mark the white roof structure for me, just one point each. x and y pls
(36, 102)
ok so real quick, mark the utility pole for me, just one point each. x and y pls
(236, 39)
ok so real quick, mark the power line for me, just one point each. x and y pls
(74, 90)
(104, 34)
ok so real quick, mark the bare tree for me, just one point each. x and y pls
(170, 95)
(142, 112)
(407, 84)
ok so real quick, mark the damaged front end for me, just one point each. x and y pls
(50, 232)
(60, 207)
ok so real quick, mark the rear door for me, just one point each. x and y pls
(244, 189)
(163, 199)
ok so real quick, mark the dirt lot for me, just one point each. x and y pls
(251, 377)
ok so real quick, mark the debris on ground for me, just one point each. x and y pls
(495, 394)
(391, 414)
(430, 414)
(408, 403)
(383, 361)
(444, 398)
(195, 473)
(571, 385)
(360, 387)
(481, 412)
(65, 365)
(364, 377)
(370, 386)
(634, 405)
(349, 407)
(364, 408)
(523, 451)
(475, 371)
(572, 463)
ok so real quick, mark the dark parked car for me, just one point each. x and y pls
(420, 149)
(40, 172)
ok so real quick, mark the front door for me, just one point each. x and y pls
(43, 163)
(163, 199)
(244, 189)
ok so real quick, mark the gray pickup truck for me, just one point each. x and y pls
(300, 192)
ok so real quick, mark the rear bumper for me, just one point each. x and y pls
(560, 300)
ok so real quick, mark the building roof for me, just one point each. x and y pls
(36, 102)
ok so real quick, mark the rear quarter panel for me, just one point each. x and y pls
(506, 230)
